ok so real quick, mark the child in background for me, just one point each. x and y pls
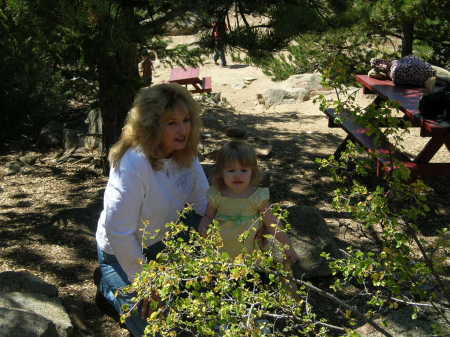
(146, 68)
(236, 201)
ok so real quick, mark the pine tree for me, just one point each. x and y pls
(105, 37)
(415, 22)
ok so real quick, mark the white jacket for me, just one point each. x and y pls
(137, 194)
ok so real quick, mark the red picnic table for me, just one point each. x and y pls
(191, 76)
(408, 100)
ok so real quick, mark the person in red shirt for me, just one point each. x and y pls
(218, 34)
(146, 68)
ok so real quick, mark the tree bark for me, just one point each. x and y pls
(408, 38)
(117, 66)
(115, 93)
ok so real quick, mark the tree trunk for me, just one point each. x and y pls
(118, 82)
(116, 94)
(408, 37)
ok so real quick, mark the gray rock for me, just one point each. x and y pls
(49, 308)
(22, 323)
(26, 282)
(309, 81)
(276, 96)
(273, 96)
(51, 135)
(71, 138)
(95, 126)
(310, 237)
(297, 94)
(295, 89)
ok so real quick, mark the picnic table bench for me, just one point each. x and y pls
(384, 151)
(191, 77)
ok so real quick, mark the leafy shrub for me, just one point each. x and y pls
(396, 266)
(205, 293)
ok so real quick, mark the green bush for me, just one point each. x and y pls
(205, 293)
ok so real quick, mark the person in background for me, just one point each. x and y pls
(146, 68)
(154, 174)
(218, 34)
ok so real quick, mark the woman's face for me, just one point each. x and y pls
(176, 129)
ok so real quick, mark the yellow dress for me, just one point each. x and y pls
(237, 215)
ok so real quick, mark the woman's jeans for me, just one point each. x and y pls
(114, 278)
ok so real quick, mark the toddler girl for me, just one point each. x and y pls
(236, 201)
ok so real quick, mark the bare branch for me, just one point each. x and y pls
(354, 310)
(278, 316)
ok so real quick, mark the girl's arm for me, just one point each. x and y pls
(272, 226)
(207, 219)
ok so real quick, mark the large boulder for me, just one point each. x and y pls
(295, 89)
(276, 96)
(40, 304)
(30, 307)
(16, 322)
(51, 135)
(308, 81)
(310, 236)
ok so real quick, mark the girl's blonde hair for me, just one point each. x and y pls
(143, 124)
(231, 152)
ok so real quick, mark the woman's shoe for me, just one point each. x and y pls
(106, 307)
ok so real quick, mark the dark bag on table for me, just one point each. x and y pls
(411, 71)
(436, 105)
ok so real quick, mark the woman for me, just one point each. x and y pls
(154, 173)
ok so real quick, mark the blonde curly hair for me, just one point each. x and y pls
(151, 106)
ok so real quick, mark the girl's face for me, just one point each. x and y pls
(175, 131)
(237, 177)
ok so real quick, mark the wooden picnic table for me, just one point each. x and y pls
(191, 77)
(408, 100)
